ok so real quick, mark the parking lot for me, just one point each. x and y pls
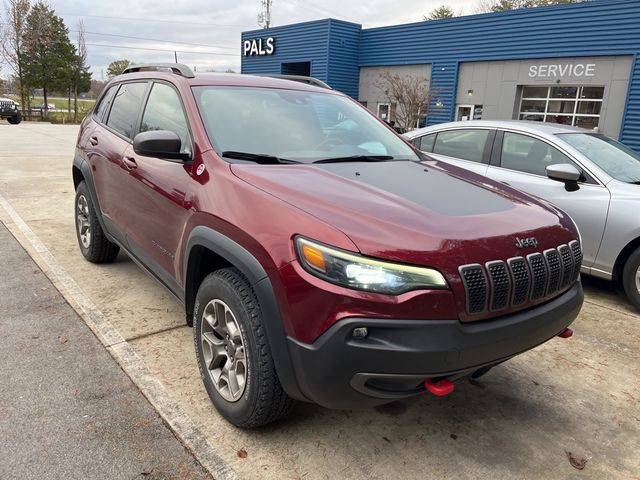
(568, 399)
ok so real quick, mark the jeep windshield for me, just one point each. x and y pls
(268, 125)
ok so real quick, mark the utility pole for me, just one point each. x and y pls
(264, 17)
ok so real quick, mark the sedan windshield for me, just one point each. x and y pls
(613, 157)
(294, 126)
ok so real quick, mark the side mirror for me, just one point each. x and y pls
(566, 173)
(161, 144)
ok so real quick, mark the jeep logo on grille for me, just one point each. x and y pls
(526, 242)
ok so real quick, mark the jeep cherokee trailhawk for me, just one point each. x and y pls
(319, 256)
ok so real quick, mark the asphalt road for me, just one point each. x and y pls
(66, 409)
(580, 395)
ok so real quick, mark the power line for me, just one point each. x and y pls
(155, 20)
(326, 12)
(161, 49)
(155, 40)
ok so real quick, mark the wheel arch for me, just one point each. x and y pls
(81, 171)
(208, 250)
(624, 254)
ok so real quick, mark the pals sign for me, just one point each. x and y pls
(259, 46)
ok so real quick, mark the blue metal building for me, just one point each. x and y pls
(574, 63)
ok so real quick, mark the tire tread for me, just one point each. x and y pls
(272, 402)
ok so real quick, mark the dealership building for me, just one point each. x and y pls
(575, 64)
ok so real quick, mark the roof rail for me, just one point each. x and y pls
(297, 78)
(177, 68)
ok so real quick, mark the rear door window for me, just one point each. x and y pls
(466, 144)
(123, 116)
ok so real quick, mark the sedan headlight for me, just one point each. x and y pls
(355, 271)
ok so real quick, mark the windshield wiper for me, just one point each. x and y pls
(261, 158)
(356, 158)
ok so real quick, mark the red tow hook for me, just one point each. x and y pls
(566, 333)
(440, 388)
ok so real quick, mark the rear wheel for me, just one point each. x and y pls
(93, 243)
(233, 355)
(631, 278)
(16, 119)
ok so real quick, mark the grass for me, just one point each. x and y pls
(61, 115)
(62, 103)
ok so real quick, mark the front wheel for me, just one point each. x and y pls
(233, 354)
(16, 119)
(631, 278)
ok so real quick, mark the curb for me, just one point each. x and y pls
(135, 368)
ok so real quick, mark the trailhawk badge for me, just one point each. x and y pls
(526, 242)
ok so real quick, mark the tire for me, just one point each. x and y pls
(16, 119)
(255, 398)
(93, 243)
(631, 278)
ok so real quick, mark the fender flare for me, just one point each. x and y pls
(85, 170)
(243, 260)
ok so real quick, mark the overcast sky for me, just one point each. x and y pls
(215, 25)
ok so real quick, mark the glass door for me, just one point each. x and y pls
(464, 112)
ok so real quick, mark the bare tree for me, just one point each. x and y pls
(410, 94)
(80, 75)
(12, 28)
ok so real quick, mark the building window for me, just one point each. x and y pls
(568, 105)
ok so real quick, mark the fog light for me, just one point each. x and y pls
(360, 332)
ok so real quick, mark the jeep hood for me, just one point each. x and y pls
(416, 212)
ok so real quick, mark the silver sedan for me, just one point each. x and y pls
(592, 177)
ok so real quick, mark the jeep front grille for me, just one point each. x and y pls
(498, 285)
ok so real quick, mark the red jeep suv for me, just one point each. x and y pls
(319, 256)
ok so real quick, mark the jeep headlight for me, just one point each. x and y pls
(355, 271)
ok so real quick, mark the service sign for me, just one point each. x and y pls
(561, 70)
(259, 47)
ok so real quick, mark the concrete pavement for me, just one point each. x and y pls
(579, 395)
(66, 409)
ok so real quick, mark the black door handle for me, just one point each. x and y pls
(129, 163)
(93, 140)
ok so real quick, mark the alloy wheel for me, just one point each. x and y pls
(83, 223)
(223, 349)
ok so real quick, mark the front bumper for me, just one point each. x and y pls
(7, 111)
(392, 362)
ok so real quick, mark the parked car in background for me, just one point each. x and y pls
(317, 257)
(41, 106)
(10, 111)
(591, 176)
